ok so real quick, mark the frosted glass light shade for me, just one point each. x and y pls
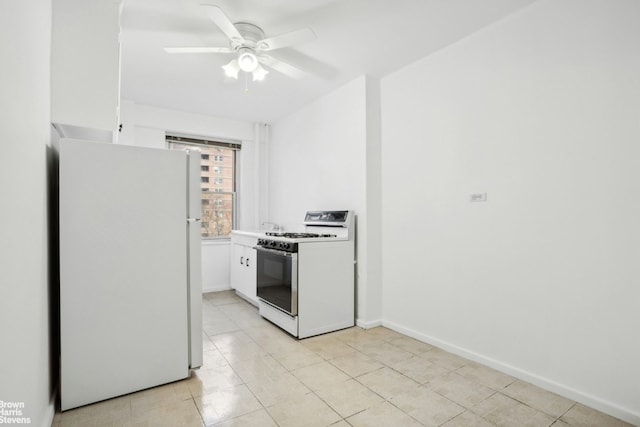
(259, 73)
(231, 69)
(247, 61)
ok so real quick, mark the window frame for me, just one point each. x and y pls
(235, 146)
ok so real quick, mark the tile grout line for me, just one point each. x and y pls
(264, 408)
(361, 343)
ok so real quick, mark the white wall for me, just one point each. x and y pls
(25, 363)
(85, 70)
(146, 126)
(317, 160)
(160, 120)
(542, 112)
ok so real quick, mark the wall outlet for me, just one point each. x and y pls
(478, 197)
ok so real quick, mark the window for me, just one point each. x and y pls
(218, 192)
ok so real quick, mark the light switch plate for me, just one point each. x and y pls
(478, 197)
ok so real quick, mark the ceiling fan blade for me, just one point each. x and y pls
(223, 22)
(196, 49)
(300, 36)
(282, 67)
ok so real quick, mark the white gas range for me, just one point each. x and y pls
(305, 279)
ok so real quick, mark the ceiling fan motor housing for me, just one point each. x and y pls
(251, 34)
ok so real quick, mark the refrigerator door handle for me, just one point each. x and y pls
(193, 219)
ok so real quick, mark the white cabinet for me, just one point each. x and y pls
(243, 266)
(85, 64)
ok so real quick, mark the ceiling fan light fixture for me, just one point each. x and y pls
(259, 73)
(232, 69)
(246, 40)
(247, 60)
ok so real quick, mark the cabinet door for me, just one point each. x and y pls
(243, 266)
(249, 278)
(237, 269)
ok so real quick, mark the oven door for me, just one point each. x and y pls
(277, 279)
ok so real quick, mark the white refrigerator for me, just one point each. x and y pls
(130, 275)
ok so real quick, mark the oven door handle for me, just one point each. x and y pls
(273, 251)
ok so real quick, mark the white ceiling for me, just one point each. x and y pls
(354, 37)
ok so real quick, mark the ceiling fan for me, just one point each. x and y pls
(249, 44)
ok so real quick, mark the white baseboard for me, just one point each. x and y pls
(50, 411)
(545, 383)
(368, 325)
(217, 288)
(247, 299)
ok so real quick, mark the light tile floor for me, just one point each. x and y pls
(254, 374)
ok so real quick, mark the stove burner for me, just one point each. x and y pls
(299, 235)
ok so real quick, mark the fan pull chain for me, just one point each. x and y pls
(246, 83)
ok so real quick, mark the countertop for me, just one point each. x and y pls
(253, 233)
